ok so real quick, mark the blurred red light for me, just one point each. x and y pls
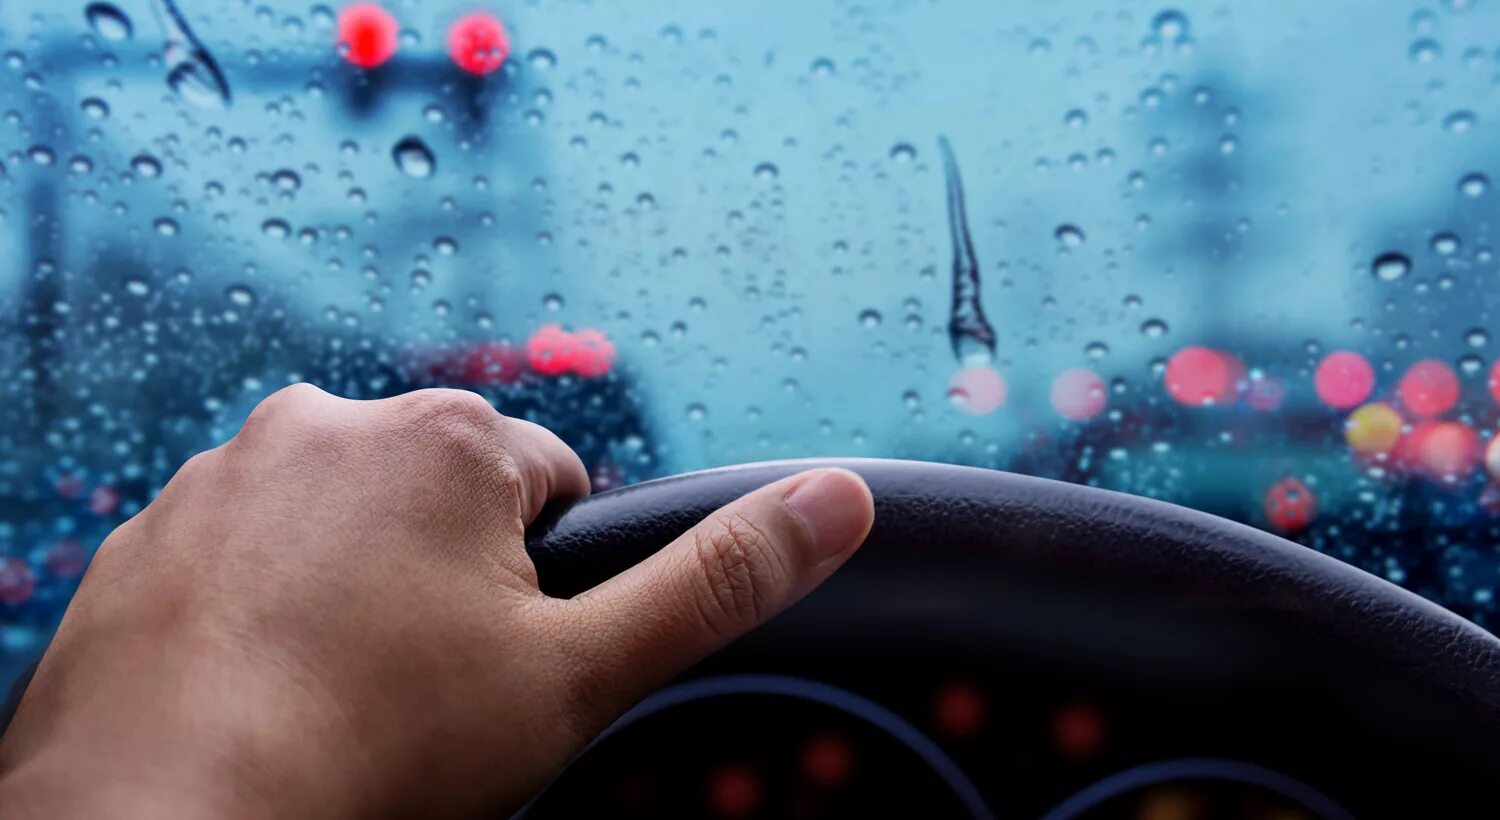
(734, 790)
(977, 390)
(16, 581)
(1078, 731)
(959, 709)
(1428, 388)
(1078, 394)
(1198, 376)
(1344, 379)
(827, 760)
(478, 43)
(1290, 505)
(367, 34)
(551, 350)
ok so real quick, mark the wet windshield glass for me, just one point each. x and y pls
(1228, 256)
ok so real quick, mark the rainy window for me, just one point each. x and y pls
(1233, 259)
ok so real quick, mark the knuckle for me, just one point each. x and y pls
(454, 415)
(739, 570)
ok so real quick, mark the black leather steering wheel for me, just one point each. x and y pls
(967, 561)
(1149, 590)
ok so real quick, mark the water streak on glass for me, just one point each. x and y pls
(970, 332)
(192, 72)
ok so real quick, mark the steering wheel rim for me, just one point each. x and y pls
(1033, 525)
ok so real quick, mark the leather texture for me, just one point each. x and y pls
(1030, 525)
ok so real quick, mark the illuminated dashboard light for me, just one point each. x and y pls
(478, 43)
(959, 709)
(1428, 388)
(827, 760)
(1344, 379)
(977, 390)
(367, 34)
(1373, 429)
(1199, 376)
(734, 790)
(1290, 505)
(1078, 731)
(1078, 394)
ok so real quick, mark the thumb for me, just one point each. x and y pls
(732, 572)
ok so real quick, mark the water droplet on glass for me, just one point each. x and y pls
(240, 295)
(1069, 235)
(136, 286)
(1474, 185)
(696, 412)
(541, 58)
(822, 67)
(414, 158)
(286, 180)
(108, 22)
(1170, 25)
(276, 228)
(1445, 244)
(1477, 337)
(95, 108)
(147, 166)
(903, 152)
(1425, 51)
(869, 317)
(445, 245)
(1459, 122)
(166, 226)
(552, 301)
(192, 72)
(41, 155)
(766, 171)
(1096, 350)
(1153, 328)
(1076, 119)
(1390, 266)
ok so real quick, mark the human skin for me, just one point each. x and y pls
(333, 615)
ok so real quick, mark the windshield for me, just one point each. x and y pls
(1234, 259)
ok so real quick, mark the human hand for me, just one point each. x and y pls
(334, 615)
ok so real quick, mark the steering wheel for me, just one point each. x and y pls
(1238, 668)
(1013, 646)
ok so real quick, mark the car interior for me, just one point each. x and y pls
(1160, 334)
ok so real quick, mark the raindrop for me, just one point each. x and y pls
(766, 171)
(1076, 119)
(903, 152)
(870, 317)
(1390, 266)
(1459, 122)
(445, 245)
(108, 22)
(147, 166)
(697, 412)
(1096, 350)
(276, 228)
(822, 67)
(286, 180)
(95, 108)
(1153, 328)
(1474, 185)
(541, 58)
(1477, 337)
(240, 295)
(41, 155)
(1069, 235)
(552, 301)
(1425, 51)
(80, 164)
(136, 286)
(1170, 25)
(192, 72)
(166, 226)
(1445, 244)
(414, 158)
